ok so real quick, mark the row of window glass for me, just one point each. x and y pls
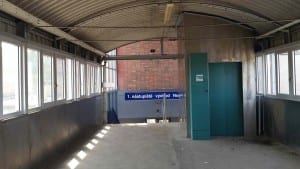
(278, 73)
(111, 72)
(33, 78)
(111, 75)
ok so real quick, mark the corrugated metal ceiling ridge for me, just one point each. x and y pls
(66, 12)
(141, 12)
(81, 7)
(108, 12)
(63, 7)
(90, 7)
(100, 14)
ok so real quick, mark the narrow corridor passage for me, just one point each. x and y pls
(160, 146)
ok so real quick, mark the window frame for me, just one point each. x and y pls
(23, 47)
(290, 48)
(93, 68)
(92, 80)
(293, 77)
(88, 79)
(60, 56)
(73, 62)
(33, 47)
(21, 78)
(278, 52)
(263, 74)
(77, 85)
(84, 88)
(81, 62)
(98, 78)
(109, 76)
(52, 54)
(266, 76)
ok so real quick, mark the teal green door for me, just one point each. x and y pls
(198, 97)
(226, 99)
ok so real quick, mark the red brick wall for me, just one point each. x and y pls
(148, 74)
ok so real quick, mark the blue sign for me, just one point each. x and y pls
(153, 95)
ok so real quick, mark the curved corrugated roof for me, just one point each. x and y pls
(144, 13)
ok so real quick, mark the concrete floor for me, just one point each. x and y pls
(158, 146)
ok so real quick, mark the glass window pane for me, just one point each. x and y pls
(97, 80)
(82, 80)
(283, 73)
(106, 75)
(88, 79)
(110, 73)
(260, 74)
(92, 79)
(78, 82)
(271, 74)
(69, 78)
(297, 71)
(10, 75)
(48, 78)
(102, 77)
(60, 78)
(33, 78)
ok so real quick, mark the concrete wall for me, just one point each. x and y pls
(223, 44)
(27, 139)
(139, 110)
(281, 120)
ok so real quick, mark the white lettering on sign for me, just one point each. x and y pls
(199, 78)
(142, 96)
(153, 95)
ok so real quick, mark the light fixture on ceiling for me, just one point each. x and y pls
(168, 12)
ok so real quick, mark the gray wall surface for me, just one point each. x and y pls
(25, 140)
(281, 120)
(112, 100)
(223, 44)
(141, 109)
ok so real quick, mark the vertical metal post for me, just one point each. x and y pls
(41, 78)
(291, 64)
(54, 77)
(1, 83)
(162, 46)
(259, 115)
(164, 109)
(25, 77)
(104, 99)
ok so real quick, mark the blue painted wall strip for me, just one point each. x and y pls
(153, 95)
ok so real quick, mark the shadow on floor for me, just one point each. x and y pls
(63, 152)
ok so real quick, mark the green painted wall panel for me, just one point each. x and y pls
(199, 102)
(226, 99)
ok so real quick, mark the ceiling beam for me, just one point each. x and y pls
(21, 14)
(172, 26)
(143, 57)
(279, 29)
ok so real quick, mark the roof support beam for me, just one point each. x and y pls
(144, 57)
(279, 29)
(21, 14)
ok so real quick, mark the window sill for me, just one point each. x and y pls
(282, 97)
(11, 117)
